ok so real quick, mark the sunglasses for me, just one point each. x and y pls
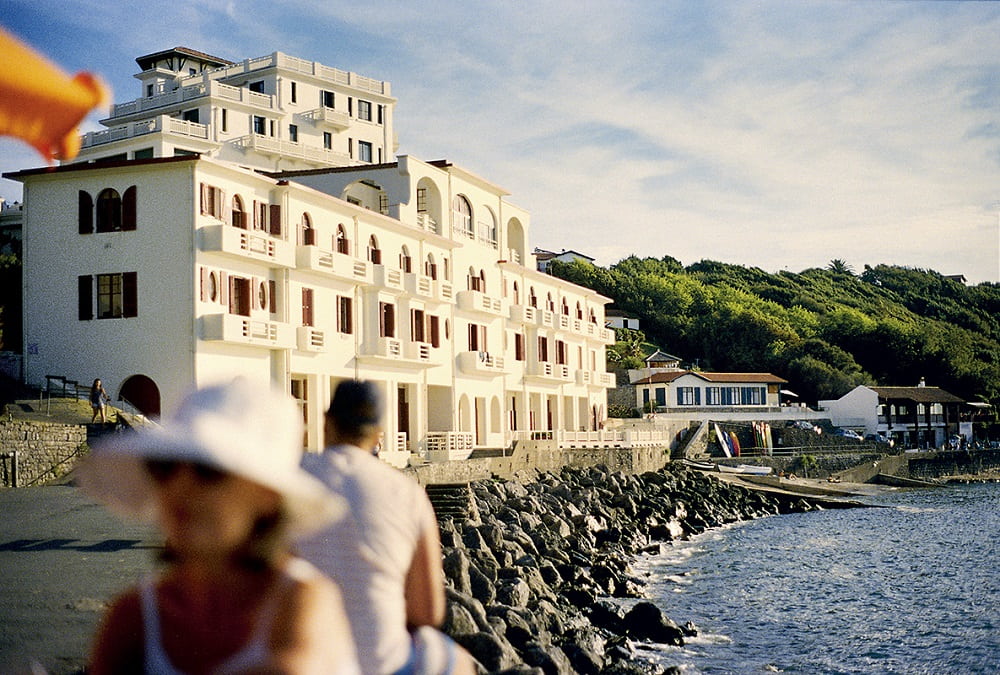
(163, 470)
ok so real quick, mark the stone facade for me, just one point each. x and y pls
(36, 452)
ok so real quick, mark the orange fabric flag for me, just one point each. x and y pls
(40, 104)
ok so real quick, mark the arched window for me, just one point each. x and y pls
(430, 267)
(517, 294)
(550, 304)
(341, 244)
(472, 280)
(593, 316)
(86, 212)
(374, 252)
(565, 307)
(109, 211)
(405, 261)
(532, 298)
(487, 227)
(239, 213)
(482, 281)
(308, 233)
(579, 312)
(462, 214)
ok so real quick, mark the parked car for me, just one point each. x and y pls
(848, 433)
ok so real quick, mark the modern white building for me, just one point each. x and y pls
(669, 390)
(274, 112)
(160, 274)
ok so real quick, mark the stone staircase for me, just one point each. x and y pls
(452, 501)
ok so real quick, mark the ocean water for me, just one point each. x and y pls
(913, 587)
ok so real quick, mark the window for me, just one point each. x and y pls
(149, 90)
(257, 86)
(109, 211)
(421, 200)
(688, 396)
(579, 312)
(381, 114)
(565, 307)
(326, 99)
(417, 333)
(532, 298)
(211, 201)
(114, 213)
(345, 315)
(487, 227)
(517, 294)
(295, 92)
(713, 396)
(430, 267)
(364, 110)
(386, 319)
(350, 147)
(239, 217)
(341, 244)
(434, 330)
(293, 133)
(550, 304)
(327, 140)
(192, 72)
(144, 153)
(752, 395)
(374, 253)
(239, 296)
(364, 151)
(477, 282)
(308, 233)
(519, 350)
(730, 395)
(462, 213)
(307, 307)
(117, 296)
(350, 105)
(225, 120)
(477, 338)
(661, 396)
(543, 348)
(405, 261)
(259, 125)
(190, 116)
(85, 212)
(562, 353)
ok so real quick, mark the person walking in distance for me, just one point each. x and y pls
(97, 398)
(386, 553)
(223, 481)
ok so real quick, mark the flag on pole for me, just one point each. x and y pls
(42, 105)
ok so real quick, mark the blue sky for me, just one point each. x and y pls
(780, 135)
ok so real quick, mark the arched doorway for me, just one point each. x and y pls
(143, 394)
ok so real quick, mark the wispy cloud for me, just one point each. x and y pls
(779, 134)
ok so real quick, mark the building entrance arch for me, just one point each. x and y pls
(143, 394)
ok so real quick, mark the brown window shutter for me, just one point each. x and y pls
(307, 303)
(434, 330)
(128, 209)
(274, 219)
(85, 287)
(272, 288)
(86, 211)
(130, 294)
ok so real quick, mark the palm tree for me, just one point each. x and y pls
(838, 266)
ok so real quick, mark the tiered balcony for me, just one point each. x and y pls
(477, 301)
(425, 222)
(445, 446)
(418, 285)
(523, 314)
(267, 145)
(243, 330)
(584, 377)
(190, 90)
(444, 291)
(482, 364)
(401, 352)
(387, 278)
(310, 339)
(328, 118)
(315, 259)
(253, 244)
(545, 317)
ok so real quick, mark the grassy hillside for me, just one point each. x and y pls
(825, 330)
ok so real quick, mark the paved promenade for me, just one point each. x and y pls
(62, 558)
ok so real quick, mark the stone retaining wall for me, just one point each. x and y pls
(957, 463)
(42, 451)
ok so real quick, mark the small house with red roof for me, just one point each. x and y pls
(692, 390)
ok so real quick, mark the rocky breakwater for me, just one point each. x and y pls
(538, 573)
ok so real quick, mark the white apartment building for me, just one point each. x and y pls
(161, 274)
(275, 112)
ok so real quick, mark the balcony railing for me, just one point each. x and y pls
(523, 314)
(315, 259)
(268, 145)
(445, 446)
(238, 329)
(548, 371)
(387, 277)
(242, 243)
(328, 117)
(161, 123)
(545, 317)
(311, 339)
(425, 222)
(418, 284)
(193, 88)
(480, 363)
(477, 301)
(443, 290)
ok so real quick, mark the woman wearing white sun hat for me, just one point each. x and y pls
(221, 478)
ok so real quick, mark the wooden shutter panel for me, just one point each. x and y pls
(274, 220)
(128, 209)
(86, 211)
(272, 287)
(130, 294)
(85, 289)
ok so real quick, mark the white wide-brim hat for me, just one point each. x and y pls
(240, 428)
